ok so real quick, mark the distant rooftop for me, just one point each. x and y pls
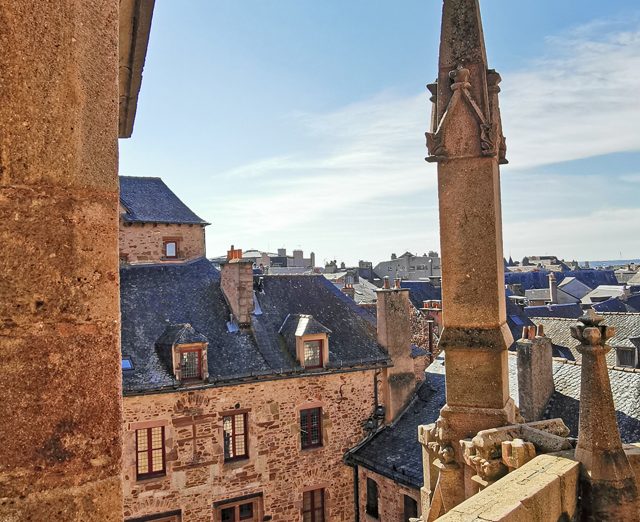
(149, 200)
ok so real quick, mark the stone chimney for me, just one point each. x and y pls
(394, 334)
(535, 372)
(348, 289)
(553, 288)
(237, 285)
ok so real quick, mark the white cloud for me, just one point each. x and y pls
(577, 102)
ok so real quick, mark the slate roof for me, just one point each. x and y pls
(149, 200)
(569, 311)
(603, 291)
(156, 296)
(540, 279)
(610, 305)
(364, 291)
(394, 451)
(180, 334)
(420, 291)
(627, 327)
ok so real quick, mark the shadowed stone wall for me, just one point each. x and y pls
(59, 315)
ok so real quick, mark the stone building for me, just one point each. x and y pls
(242, 394)
(155, 226)
(410, 266)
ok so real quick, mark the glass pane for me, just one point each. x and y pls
(240, 449)
(246, 511)
(227, 427)
(170, 249)
(306, 501)
(156, 437)
(141, 438)
(239, 424)
(312, 353)
(189, 364)
(228, 514)
(156, 462)
(319, 515)
(315, 427)
(306, 517)
(143, 464)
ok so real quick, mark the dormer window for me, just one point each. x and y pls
(626, 357)
(183, 350)
(170, 248)
(312, 353)
(306, 339)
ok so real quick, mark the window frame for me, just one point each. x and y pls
(165, 242)
(196, 350)
(256, 508)
(245, 420)
(372, 508)
(313, 508)
(414, 504)
(305, 435)
(320, 353)
(149, 454)
(627, 352)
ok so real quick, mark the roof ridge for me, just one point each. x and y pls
(141, 177)
(625, 369)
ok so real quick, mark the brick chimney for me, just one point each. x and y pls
(553, 288)
(237, 285)
(535, 372)
(394, 334)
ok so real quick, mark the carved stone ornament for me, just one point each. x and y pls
(488, 130)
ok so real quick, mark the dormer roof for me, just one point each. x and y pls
(180, 334)
(149, 200)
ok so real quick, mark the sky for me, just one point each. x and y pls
(300, 123)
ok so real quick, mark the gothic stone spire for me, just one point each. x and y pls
(466, 91)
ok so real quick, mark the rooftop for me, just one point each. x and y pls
(149, 200)
(156, 296)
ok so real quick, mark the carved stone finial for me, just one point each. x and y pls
(460, 77)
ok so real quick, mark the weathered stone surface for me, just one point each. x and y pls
(390, 499)
(59, 297)
(544, 489)
(535, 376)
(609, 488)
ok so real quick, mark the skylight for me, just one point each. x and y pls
(127, 363)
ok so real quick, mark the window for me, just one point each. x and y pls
(236, 443)
(410, 508)
(190, 364)
(313, 354)
(313, 506)
(311, 428)
(626, 357)
(170, 248)
(150, 452)
(372, 498)
(245, 509)
(127, 364)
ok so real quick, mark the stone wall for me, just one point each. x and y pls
(143, 242)
(59, 302)
(390, 497)
(277, 468)
(544, 489)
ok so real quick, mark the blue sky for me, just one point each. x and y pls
(300, 123)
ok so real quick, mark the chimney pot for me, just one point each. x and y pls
(540, 330)
(386, 285)
(396, 282)
(532, 333)
(525, 332)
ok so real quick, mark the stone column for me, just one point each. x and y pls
(467, 144)
(59, 299)
(609, 490)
